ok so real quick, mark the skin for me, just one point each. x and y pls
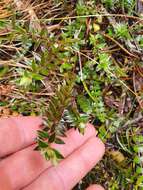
(21, 168)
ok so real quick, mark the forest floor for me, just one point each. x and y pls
(99, 42)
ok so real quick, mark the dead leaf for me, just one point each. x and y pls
(117, 155)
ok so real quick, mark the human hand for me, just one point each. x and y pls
(23, 168)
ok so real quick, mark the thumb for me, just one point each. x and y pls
(95, 187)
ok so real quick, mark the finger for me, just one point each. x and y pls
(17, 133)
(95, 187)
(72, 169)
(24, 166)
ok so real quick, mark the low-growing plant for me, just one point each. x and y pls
(74, 62)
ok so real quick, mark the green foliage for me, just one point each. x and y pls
(85, 104)
(140, 40)
(54, 113)
(25, 81)
(3, 71)
(109, 3)
(121, 31)
(28, 78)
(75, 119)
(138, 160)
(104, 62)
(126, 5)
(66, 67)
(129, 5)
(98, 104)
(97, 41)
(99, 56)
(85, 7)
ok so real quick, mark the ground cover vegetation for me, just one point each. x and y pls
(73, 62)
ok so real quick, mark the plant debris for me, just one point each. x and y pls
(100, 43)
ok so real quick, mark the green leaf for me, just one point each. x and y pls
(59, 141)
(43, 59)
(58, 154)
(104, 62)
(25, 81)
(139, 181)
(84, 103)
(44, 71)
(43, 134)
(52, 138)
(137, 160)
(34, 66)
(65, 67)
(37, 76)
(138, 139)
(122, 31)
(3, 71)
(42, 144)
(139, 170)
(46, 156)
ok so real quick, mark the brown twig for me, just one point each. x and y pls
(34, 21)
(133, 121)
(12, 63)
(116, 42)
(36, 93)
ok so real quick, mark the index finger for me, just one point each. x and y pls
(17, 133)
